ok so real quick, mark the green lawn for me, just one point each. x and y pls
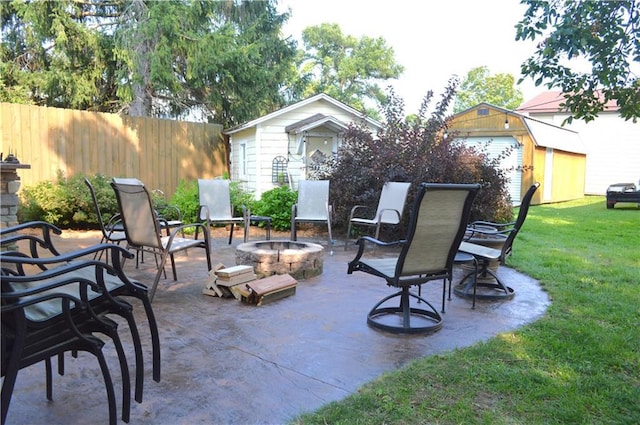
(579, 364)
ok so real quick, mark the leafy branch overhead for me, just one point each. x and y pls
(479, 86)
(225, 60)
(588, 49)
(344, 67)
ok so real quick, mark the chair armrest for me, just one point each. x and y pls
(22, 299)
(44, 241)
(491, 224)
(180, 229)
(86, 271)
(207, 216)
(116, 251)
(382, 211)
(356, 208)
(362, 241)
(113, 222)
(46, 227)
(65, 275)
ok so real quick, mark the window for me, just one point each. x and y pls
(243, 159)
(279, 170)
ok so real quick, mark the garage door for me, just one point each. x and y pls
(512, 163)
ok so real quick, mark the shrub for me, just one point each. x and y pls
(240, 197)
(187, 199)
(412, 150)
(277, 203)
(67, 202)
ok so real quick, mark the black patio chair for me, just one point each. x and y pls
(48, 314)
(43, 256)
(436, 227)
(144, 230)
(112, 230)
(492, 287)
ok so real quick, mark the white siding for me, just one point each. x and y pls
(268, 139)
(613, 149)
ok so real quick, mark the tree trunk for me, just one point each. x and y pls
(142, 49)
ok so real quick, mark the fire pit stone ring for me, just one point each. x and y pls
(301, 260)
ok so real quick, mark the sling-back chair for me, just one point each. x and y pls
(438, 220)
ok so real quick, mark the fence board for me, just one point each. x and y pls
(158, 152)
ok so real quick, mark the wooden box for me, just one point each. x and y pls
(224, 281)
(264, 291)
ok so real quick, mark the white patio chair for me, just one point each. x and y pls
(312, 206)
(389, 211)
(216, 208)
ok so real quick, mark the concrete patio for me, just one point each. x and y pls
(225, 362)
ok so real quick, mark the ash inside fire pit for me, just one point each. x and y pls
(301, 260)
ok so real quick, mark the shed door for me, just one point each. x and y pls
(512, 163)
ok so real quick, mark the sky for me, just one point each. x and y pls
(433, 40)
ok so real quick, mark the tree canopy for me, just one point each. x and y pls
(160, 58)
(604, 35)
(344, 67)
(480, 86)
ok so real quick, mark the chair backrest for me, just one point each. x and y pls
(393, 197)
(96, 207)
(522, 215)
(136, 210)
(438, 221)
(313, 199)
(215, 194)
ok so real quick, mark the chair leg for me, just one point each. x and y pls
(49, 377)
(125, 310)
(346, 241)
(444, 291)
(110, 329)
(469, 289)
(173, 267)
(111, 397)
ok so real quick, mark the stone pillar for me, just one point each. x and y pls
(9, 185)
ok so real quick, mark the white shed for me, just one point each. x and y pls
(275, 149)
(612, 144)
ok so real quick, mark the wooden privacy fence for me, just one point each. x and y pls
(159, 152)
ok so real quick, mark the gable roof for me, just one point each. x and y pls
(549, 102)
(551, 136)
(315, 121)
(297, 105)
(544, 134)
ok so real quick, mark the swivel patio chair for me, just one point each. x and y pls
(492, 287)
(389, 211)
(312, 207)
(436, 227)
(144, 232)
(216, 208)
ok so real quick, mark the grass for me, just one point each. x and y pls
(579, 364)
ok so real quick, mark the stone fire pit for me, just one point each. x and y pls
(301, 260)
